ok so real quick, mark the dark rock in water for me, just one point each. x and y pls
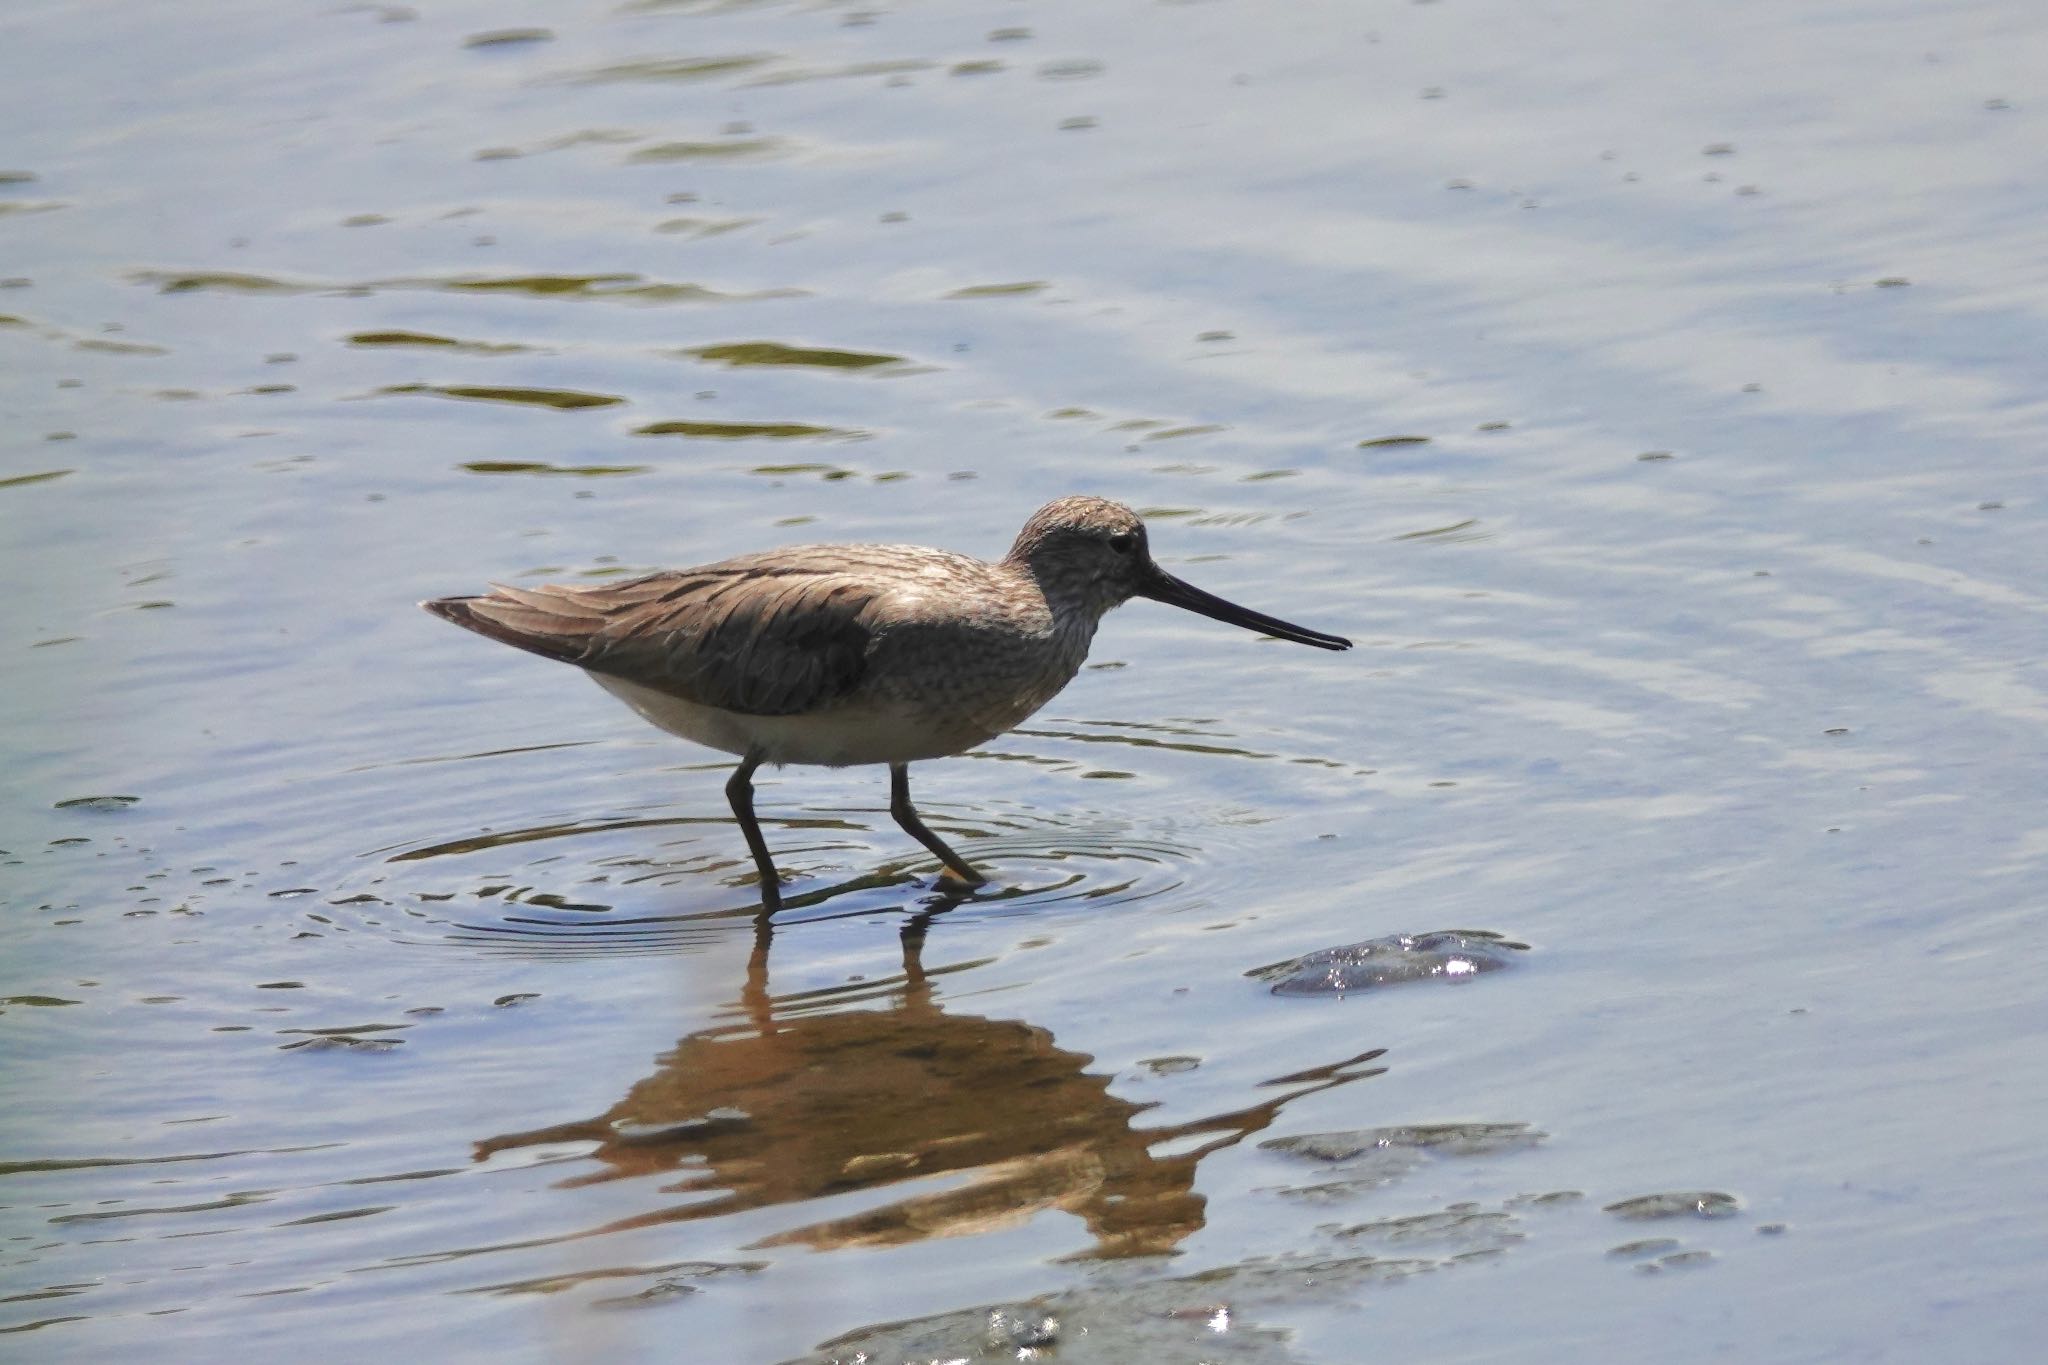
(1678, 1204)
(1440, 1139)
(1444, 954)
(1642, 1250)
(342, 1042)
(1363, 1159)
(97, 803)
(660, 1292)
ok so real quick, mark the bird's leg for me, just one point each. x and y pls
(739, 789)
(906, 816)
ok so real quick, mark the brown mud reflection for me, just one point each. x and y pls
(793, 1105)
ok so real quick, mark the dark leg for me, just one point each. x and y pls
(739, 790)
(906, 816)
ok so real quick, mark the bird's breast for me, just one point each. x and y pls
(977, 678)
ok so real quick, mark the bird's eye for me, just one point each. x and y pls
(1123, 542)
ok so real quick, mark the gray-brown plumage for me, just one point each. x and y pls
(843, 654)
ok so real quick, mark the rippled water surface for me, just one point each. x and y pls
(1653, 393)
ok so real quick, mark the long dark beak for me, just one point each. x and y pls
(1161, 586)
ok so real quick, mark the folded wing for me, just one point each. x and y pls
(757, 635)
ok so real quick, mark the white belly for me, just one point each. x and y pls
(871, 732)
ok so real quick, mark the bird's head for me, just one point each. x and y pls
(1094, 553)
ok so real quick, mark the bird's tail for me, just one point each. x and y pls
(522, 619)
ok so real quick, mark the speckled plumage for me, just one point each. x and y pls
(847, 654)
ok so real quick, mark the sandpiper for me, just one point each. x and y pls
(846, 654)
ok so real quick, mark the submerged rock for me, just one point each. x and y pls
(1363, 1159)
(1677, 1204)
(1443, 954)
(1440, 1139)
(101, 803)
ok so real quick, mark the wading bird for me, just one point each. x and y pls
(845, 654)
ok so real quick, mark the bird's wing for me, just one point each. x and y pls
(762, 635)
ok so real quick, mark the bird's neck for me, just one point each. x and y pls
(1077, 599)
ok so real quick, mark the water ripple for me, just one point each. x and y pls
(669, 883)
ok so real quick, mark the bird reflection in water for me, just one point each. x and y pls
(809, 1099)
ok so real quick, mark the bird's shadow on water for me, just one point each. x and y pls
(982, 1122)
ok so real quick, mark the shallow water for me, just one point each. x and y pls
(1654, 396)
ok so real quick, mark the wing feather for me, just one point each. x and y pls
(762, 635)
